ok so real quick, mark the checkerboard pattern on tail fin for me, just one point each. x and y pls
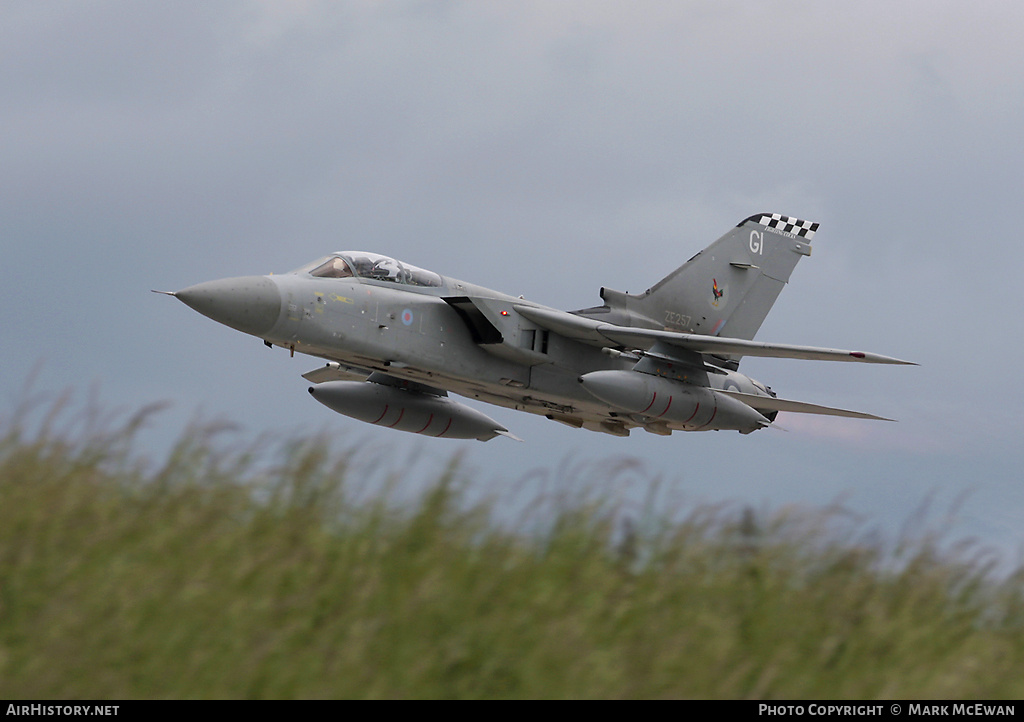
(804, 229)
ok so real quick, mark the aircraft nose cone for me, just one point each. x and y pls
(251, 304)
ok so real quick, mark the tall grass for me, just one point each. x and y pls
(255, 573)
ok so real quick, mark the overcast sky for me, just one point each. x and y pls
(547, 149)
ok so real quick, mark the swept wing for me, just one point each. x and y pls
(596, 333)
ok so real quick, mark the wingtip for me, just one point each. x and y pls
(880, 359)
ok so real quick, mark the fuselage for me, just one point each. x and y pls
(445, 333)
(398, 339)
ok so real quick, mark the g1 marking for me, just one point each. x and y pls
(757, 242)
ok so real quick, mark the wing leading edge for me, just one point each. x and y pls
(741, 347)
(596, 333)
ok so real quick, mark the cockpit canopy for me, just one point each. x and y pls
(349, 264)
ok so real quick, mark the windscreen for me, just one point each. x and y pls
(358, 264)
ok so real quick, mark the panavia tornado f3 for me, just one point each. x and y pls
(398, 339)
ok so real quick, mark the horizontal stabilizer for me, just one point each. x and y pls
(768, 403)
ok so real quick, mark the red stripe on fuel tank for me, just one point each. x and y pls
(381, 416)
(429, 422)
(713, 414)
(398, 420)
(666, 408)
(652, 403)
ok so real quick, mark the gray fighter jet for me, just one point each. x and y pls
(398, 339)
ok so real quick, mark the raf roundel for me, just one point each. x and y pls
(407, 317)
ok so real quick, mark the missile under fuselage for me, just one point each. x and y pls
(412, 411)
(655, 400)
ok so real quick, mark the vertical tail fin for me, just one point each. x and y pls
(725, 290)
